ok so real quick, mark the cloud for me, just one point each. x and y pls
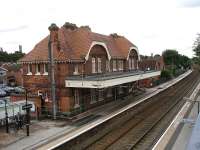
(189, 3)
(14, 29)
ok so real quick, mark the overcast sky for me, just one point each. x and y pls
(152, 25)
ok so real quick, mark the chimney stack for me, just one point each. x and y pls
(53, 28)
(70, 26)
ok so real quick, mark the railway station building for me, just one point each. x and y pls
(91, 69)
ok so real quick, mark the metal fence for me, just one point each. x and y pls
(12, 110)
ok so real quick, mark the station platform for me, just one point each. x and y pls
(188, 135)
(184, 135)
(100, 114)
(183, 132)
(194, 141)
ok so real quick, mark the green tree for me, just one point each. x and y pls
(165, 75)
(175, 62)
(171, 57)
(10, 57)
(196, 49)
(185, 62)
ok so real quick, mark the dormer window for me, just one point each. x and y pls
(99, 65)
(114, 65)
(45, 69)
(37, 69)
(93, 65)
(29, 69)
(75, 69)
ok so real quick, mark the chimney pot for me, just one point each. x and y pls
(70, 26)
(53, 27)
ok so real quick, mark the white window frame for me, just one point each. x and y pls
(114, 65)
(93, 96)
(93, 65)
(121, 65)
(76, 72)
(133, 63)
(45, 69)
(76, 98)
(29, 69)
(109, 93)
(99, 64)
(100, 94)
(37, 69)
(121, 90)
(107, 65)
(129, 64)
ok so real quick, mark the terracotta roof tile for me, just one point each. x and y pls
(74, 44)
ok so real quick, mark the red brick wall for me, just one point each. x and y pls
(157, 64)
(41, 82)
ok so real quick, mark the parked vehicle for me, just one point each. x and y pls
(19, 89)
(8, 89)
(2, 104)
(2, 93)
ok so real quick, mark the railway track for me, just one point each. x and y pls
(151, 137)
(132, 133)
(137, 127)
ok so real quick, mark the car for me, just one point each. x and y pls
(2, 103)
(8, 89)
(2, 85)
(2, 93)
(19, 89)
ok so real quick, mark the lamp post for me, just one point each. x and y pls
(52, 41)
(6, 115)
(27, 108)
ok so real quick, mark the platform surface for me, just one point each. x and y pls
(182, 140)
(194, 141)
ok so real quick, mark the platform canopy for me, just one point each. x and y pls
(108, 80)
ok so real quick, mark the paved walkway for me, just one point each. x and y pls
(181, 142)
(42, 136)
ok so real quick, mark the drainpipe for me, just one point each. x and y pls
(52, 41)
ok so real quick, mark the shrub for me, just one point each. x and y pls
(166, 74)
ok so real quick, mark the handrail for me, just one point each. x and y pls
(109, 75)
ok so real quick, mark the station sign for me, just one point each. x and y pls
(28, 106)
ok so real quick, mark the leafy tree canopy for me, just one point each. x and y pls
(170, 57)
(196, 49)
(175, 60)
(10, 57)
